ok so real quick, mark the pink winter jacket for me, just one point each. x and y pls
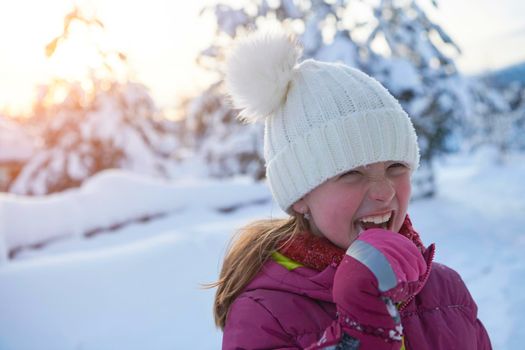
(282, 309)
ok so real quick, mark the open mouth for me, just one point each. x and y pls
(376, 221)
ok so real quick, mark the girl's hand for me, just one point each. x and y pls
(380, 268)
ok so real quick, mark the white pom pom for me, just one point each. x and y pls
(259, 71)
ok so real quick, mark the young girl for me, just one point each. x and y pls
(346, 270)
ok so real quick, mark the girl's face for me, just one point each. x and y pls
(375, 195)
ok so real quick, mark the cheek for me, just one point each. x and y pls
(334, 212)
(324, 210)
(403, 192)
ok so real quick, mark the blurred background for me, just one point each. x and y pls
(124, 172)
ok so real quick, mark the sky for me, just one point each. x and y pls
(163, 37)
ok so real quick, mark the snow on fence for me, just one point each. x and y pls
(110, 199)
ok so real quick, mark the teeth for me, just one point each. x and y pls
(380, 219)
(377, 219)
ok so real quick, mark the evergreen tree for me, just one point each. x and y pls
(218, 142)
(420, 76)
(496, 116)
(392, 40)
(101, 121)
(216, 138)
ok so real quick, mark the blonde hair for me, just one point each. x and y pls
(249, 249)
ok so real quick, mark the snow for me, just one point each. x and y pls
(139, 286)
(341, 49)
(312, 39)
(229, 19)
(15, 144)
(291, 10)
(114, 197)
(403, 75)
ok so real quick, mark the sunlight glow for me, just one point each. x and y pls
(160, 39)
(75, 56)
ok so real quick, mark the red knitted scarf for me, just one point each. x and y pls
(317, 252)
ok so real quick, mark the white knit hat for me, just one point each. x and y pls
(321, 119)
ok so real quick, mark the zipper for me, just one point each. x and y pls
(430, 259)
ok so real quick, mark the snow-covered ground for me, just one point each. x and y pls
(139, 286)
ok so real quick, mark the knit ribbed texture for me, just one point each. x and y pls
(334, 118)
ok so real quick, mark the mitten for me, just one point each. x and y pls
(380, 269)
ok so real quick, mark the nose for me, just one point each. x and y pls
(381, 190)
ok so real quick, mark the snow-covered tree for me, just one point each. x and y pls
(412, 64)
(115, 128)
(224, 146)
(16, 147)
(99, 121)
(394, 41)
(496, 116)
(210, 129)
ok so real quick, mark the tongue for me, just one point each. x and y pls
(369, 225)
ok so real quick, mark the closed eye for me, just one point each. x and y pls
(398, 168)
(396, 165)
(350, 174)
